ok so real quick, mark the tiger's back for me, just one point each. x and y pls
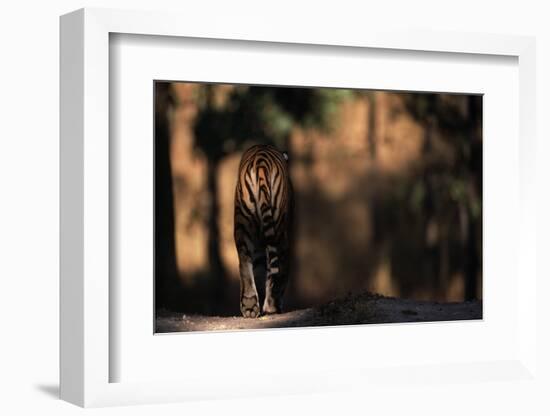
(263, 220)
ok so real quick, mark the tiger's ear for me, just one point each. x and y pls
(285, 155)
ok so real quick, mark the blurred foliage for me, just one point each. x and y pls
(249, 114)
(458, 119)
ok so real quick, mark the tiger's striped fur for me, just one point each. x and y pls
(263, 220)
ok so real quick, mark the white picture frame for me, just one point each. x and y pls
(85, 353)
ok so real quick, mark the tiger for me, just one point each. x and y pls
(263, 224)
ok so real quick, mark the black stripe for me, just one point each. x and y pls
(243, 208)
(250, 193)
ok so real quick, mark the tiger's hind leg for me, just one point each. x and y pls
(275, 284)
(250, 301)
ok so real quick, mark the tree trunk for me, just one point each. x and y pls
(472, 262)
(217, 271)
(166, 278)
(371, 129)
(472, 249)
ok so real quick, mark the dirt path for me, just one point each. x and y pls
(360, 309)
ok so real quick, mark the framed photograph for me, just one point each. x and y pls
(273, 212)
